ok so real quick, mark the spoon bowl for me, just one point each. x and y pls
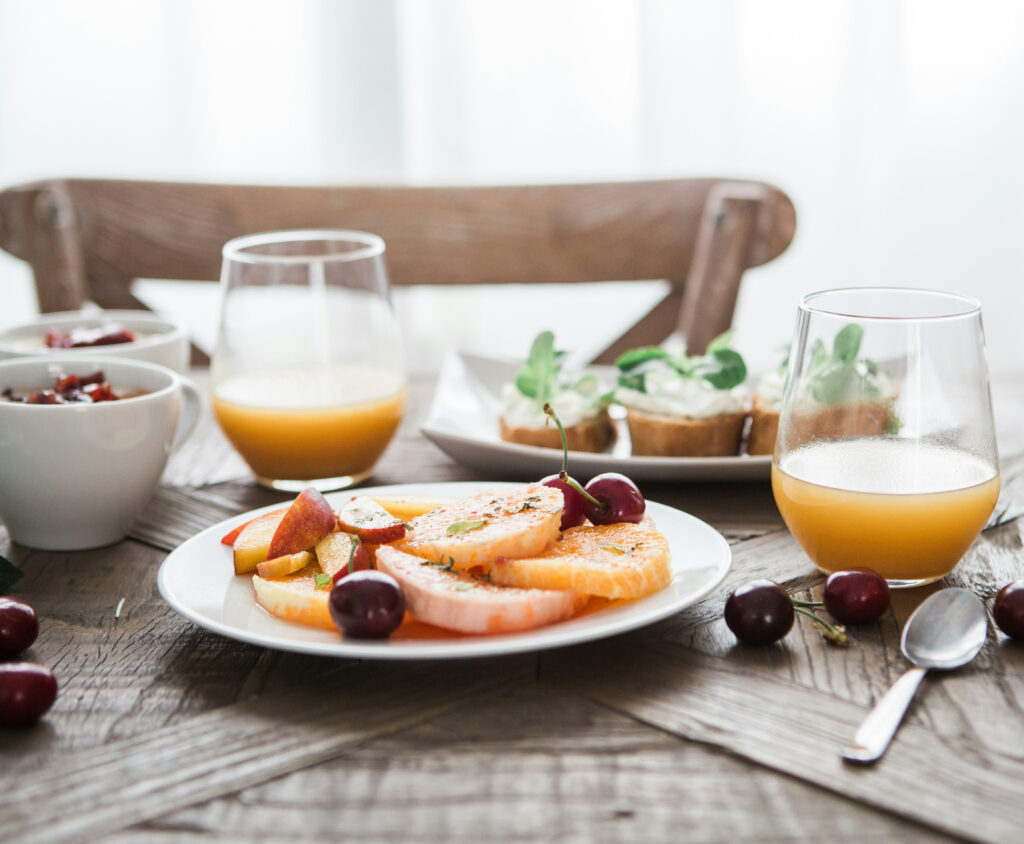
(946, 631)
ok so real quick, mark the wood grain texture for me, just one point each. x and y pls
(218, 752)
(798, 732)
(533, 765)
(668, 730)
(524, 234)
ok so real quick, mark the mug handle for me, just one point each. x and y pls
(191, 405)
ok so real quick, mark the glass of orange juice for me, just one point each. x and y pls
(886, 452)
(308, 378)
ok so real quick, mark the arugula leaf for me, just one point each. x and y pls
(723, 368)
(539, 377)
(9, 575)
(323, 581)
(722, 341)
(635, 357)
(847, 343)
(465, 526)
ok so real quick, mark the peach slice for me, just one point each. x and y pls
(371, 522)
(252, 545)
(406, 507)
(334, 550)
(280, 566)
(305, 523)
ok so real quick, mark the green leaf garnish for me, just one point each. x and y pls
(723, 369)
(440, 564)
(612, 546)
(634, 357)
(323, 581)
(839, 377)
(463, 587)
(465, 526)
(538, 379)
(722, 341)
(847, 343)
(9, 575)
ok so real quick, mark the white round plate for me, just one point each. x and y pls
(197, 580)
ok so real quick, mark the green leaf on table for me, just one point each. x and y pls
(465, 526)
(9, 575)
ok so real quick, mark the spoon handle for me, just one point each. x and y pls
(876, 731)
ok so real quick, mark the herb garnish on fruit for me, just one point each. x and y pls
(722, 367)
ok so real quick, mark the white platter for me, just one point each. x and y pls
(463, 423)
(198, 581)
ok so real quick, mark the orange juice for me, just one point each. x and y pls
(327, 422)
(906, 510)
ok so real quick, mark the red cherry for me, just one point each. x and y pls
(18, 627)
(573, 502)
(27, 691)
(1008, 609)
(618, 500)
(856, 596)
(759, 612)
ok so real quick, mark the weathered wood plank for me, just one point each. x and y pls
(196, 759)
(533, 765)
(798, 731)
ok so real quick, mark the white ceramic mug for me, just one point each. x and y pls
(78, 475)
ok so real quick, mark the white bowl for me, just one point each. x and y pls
(163, 341)
(76, 476)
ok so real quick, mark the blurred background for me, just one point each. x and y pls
(896, 127)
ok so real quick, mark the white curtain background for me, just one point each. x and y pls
(896, 127)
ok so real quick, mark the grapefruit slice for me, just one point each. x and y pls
(458, 601)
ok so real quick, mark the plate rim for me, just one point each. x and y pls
(483, 646)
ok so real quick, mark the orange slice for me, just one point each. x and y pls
(406, 507)
(612, 561)
(295, 598)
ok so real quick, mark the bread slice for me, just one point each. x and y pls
(594, 434)
(673, 436)
(764, 426)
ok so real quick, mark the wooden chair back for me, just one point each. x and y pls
(88, 239)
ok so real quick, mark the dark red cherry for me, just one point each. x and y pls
(1008, 609)
(367, 605)
(572, 509)
(856, 596)
(27, 691)
(619, 500)
(18, 627)
(759, 612)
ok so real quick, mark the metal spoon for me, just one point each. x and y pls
(945, 631)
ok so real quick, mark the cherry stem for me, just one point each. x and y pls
(550, 411)
(834, 633)
(352, 554)
(563, 475)
(798, 603)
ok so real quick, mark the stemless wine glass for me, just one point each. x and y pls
(308, 378)
(886, 451)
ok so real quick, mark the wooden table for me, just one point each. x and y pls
(165, 731)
